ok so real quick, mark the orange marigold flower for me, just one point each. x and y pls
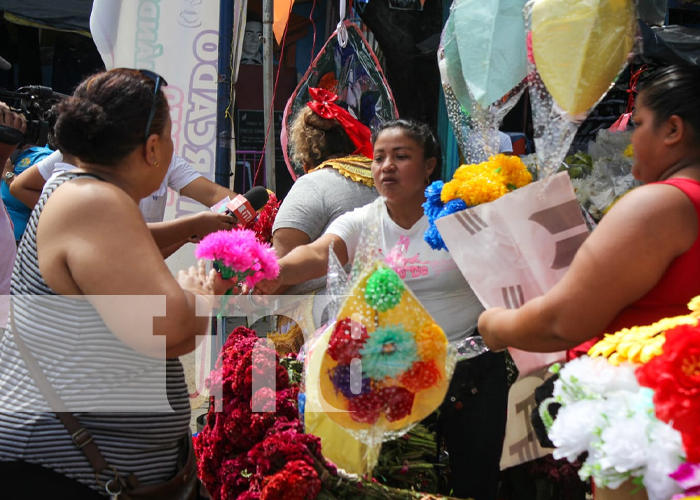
(431, 342)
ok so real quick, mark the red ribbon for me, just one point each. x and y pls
(324, 105)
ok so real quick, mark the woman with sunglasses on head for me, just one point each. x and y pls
(81, 285)
(642, 262)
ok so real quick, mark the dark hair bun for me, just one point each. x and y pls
(106, 118)
(80, 125)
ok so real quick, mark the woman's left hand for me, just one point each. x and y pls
(198, 281)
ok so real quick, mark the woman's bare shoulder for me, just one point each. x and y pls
(90, 198)
(658, 213)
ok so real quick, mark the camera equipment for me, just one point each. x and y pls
(35, 103)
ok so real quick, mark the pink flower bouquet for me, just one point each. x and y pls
(238, 254)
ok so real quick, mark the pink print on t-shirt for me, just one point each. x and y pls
(412, 266)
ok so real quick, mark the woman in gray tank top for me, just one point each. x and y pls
(97, 307)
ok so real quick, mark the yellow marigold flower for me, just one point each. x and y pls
(639, 344)
(431, 342)
(481, 189)
(694, 304)
(449, 191)
(487, 181)
(615, 359)
(629, 151)
(511, 170)
(655, 347)
(467, 172)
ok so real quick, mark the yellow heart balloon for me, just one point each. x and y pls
(580, 46)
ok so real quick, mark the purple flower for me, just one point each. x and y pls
(340, 376)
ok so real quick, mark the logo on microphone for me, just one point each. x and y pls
(242, 209)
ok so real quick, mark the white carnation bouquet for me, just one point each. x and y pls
(608, 416)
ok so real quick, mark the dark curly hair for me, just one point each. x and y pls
(424, 137)
(106, 118)
(314, 139)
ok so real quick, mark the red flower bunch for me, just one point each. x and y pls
(346, 341)
(247, 455)
(298, 481)
(265, 220)
(675, 378)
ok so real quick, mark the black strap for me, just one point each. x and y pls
(80, 436)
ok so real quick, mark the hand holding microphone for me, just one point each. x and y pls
(204, 223)
(241, 211)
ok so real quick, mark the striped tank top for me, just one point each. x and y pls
(110, 388)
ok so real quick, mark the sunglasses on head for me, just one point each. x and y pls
(159, 82)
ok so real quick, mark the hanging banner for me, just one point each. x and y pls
(180, 41)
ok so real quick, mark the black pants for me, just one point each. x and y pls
(473, 423)
(31, 481)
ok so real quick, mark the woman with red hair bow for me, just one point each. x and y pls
(334, 149)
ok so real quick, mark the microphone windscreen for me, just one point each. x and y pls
(257, 197)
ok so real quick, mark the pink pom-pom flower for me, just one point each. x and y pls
(238, 254)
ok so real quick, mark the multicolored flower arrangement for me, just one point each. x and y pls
(634, 407)
(386, 360)
(472, 185)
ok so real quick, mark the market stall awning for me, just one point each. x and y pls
(71, 15)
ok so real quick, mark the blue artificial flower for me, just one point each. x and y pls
(433, 239)
(301, 400)
(452, 207)
(433, 191)
(388, 352)
(432, 235)
(433, 204)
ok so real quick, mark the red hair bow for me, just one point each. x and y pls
(324, 105)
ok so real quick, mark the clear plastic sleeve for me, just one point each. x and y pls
(482, 64)
(380, 368)
(576, 50)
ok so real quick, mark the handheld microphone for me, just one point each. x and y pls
(245, 207)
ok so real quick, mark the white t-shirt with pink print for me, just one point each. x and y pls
(432, 275)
